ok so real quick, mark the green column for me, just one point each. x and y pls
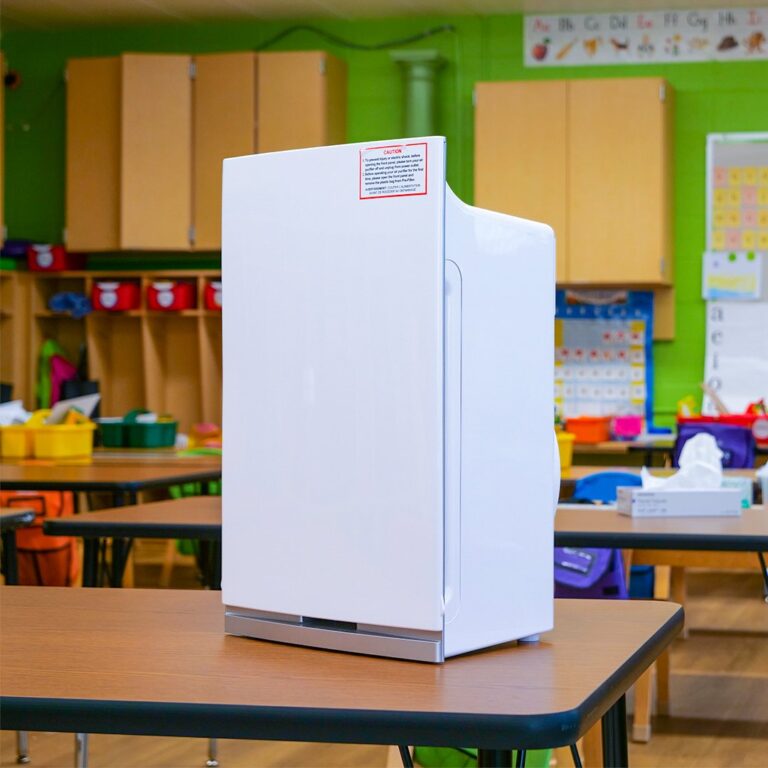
(420, 70)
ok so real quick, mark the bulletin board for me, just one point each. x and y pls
(604, 353)
(737, 192)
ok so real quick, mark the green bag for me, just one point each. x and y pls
(448, 757)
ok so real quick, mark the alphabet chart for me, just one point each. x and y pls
(603, 353)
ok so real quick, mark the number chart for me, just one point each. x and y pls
(603, 353)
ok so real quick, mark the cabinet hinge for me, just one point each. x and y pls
(66, 75)
(474, 97)
(663, 92)
(323, 66)
(64, 235)
(4, 232)
(192, 70)
(191, 234)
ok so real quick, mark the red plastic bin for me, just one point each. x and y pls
(212, 295)
(754, 421)
(171, 295)
(42, 257)
(115, 296)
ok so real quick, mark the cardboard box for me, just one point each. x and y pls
(679, 502)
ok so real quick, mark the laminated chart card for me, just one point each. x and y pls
(737, 192)
(603, 353)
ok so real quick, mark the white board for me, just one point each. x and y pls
(736, 364)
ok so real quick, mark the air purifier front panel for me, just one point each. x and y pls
(333, 385)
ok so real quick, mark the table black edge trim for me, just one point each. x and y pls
(290, 723)
(16, 520)
(673, 541)
(88, 529)
(201, 476)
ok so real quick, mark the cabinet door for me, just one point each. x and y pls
(619, 181)
(224, 126)
(520, 154)
(302, 100)
(156, 158)
(93, 154)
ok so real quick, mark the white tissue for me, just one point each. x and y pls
(13, 413)
(701, 466)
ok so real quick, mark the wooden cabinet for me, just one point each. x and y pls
(14, 331)
(147, 133)
(592, 158)
(167, 362)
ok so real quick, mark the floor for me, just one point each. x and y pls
(719, 700)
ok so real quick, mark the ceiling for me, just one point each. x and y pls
(54, 13)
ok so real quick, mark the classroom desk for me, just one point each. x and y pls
(12, 518)
(123, 481)
(157, 662)
(194, 517)
(584, 525)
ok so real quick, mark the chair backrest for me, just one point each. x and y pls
(602, 486)
(737, 443)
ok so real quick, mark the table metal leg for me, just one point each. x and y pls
(22, 747)
(494, 758)
(764, 569)
(216, 566)
(615, 752)
(81, 750)
(10, 561)
(213, 754)
(90, 562)
(576, 756)
(120, 551)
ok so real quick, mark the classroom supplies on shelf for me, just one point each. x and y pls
(626, 427)
(70, 303)
(170, 295)
(43, 257)
(116, 296)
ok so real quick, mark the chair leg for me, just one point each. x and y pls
(662, 683)
(81, 750)
(22, 747)
(641, 722)
(678, 592)
(213, 753)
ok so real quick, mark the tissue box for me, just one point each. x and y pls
(679, 502)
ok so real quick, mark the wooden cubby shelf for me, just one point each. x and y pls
(168, 362)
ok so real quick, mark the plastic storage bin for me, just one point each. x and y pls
(756, 422)
(59, 441)
(627, 427)
(131, 432)
(170, 295)
(565, 442)
(212, 295)
(115, 296)
(53, 258)
(589, 429)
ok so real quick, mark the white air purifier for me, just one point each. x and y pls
(389, 473)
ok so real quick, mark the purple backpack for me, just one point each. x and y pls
(736, 443)
(589, 573)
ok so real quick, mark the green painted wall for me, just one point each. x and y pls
(710, 97)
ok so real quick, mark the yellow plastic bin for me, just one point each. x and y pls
(18, 440)
(61, 441)
(565, 446)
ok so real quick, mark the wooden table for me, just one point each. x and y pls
(157, 662)
(12, 518)
(195, 517)
(123, 481)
